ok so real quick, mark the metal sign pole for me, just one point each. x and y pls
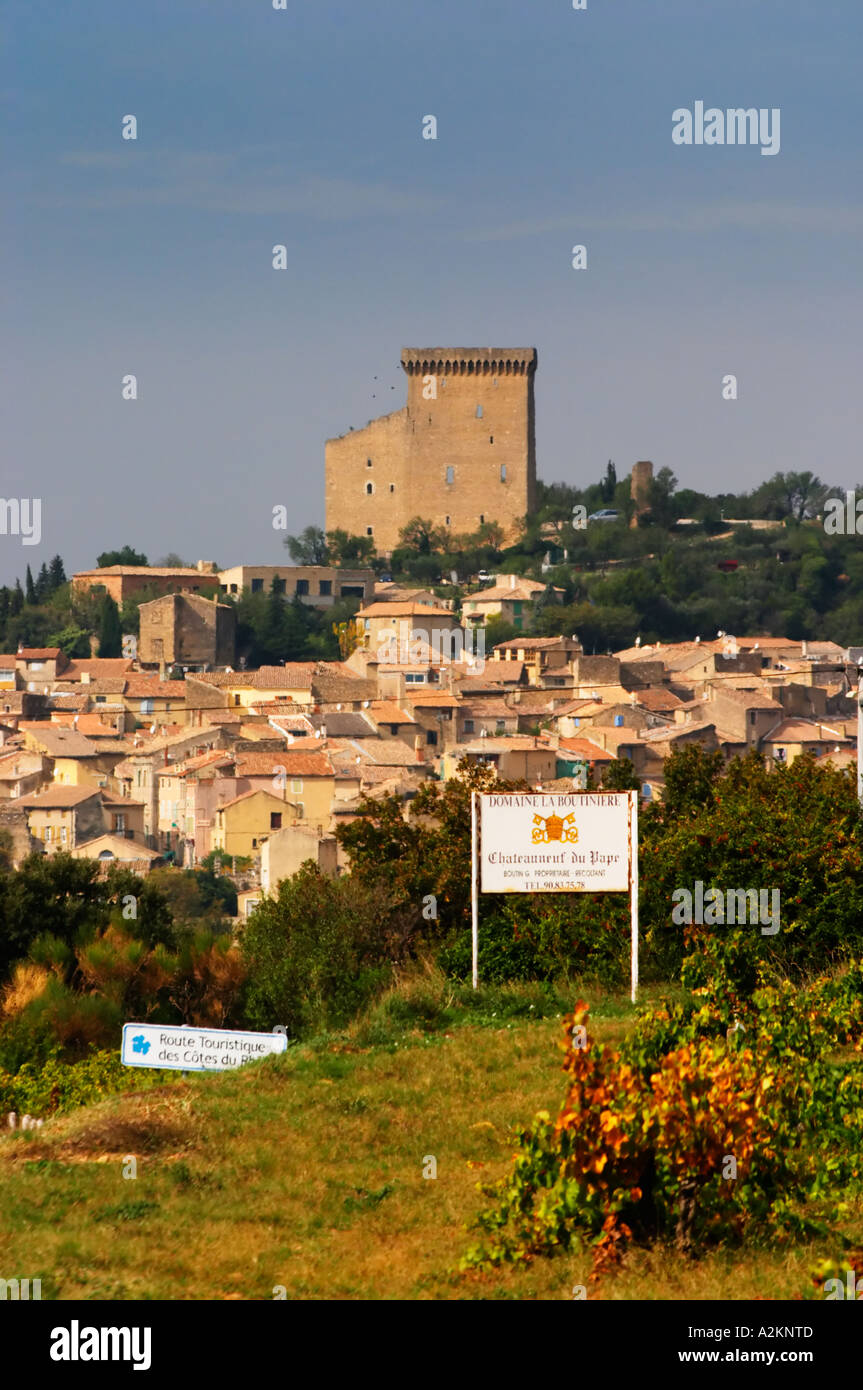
(474, 894)
(633, 889)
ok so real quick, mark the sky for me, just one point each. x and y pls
(303, 127)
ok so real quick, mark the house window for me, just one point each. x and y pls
(370, 487)
(752, 716)
(257, 585)
(100, 700)
(62, 834)
(780, 755)
(120, 822)
(275, 820)
(450, 474)
(254, 844)
(302, 586)
(468, 726)
(414, 678)
(479, 412)
(48, 833)
(146, 706)
(296, 784)
(431, 737)
(325, 588)
(502, 471)
(500, 725)
(236, 699)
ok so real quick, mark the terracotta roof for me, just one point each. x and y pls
(383, 752)
(155, 571)
(388, 712)
(61, 796)
(395, 609)
(146, 687)
(804, 731)
(39, 654)
(513, 743)
(97, 667)
(295, 764)
(531, 644)
(583, 748)
(442, 699)
(60, 742)
(91, 725)
(7, 661)
(333, 690)
(657, 700)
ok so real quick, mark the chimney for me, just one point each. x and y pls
(512, 581)
(804, 648)
(85, 677)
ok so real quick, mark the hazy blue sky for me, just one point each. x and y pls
(303, 127)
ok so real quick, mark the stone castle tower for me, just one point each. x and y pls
(460, 453)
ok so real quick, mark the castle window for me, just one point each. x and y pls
(392, 487)
(491, 439)
(369, 531)
(450, 474)
(368, 463)
(503, 472)
(482, 521)
(370, 487)
(479, 412)
(447, 521)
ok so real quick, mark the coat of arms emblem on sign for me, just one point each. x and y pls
(549, 828)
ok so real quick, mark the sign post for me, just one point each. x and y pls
(474, 896)
(556, 842)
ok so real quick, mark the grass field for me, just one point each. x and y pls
(306, 1172)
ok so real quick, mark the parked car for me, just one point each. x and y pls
(606, 514)
(484, 576)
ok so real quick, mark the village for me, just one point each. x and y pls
(174, 756)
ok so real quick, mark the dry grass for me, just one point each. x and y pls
(306, 1172)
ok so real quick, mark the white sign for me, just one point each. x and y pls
(555, 842)
(195, 1049)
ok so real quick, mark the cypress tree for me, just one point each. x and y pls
(110, 631)
(29, 588)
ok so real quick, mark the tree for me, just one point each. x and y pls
(16, 602)
(110, 631)
(345, 549)
(609, 483)
(29, 588)
(620, 776)
(423, 537)
(126, 556)
(43, 584)
(795, 495)
(56, 573)
(309, 548)
(172, 561)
